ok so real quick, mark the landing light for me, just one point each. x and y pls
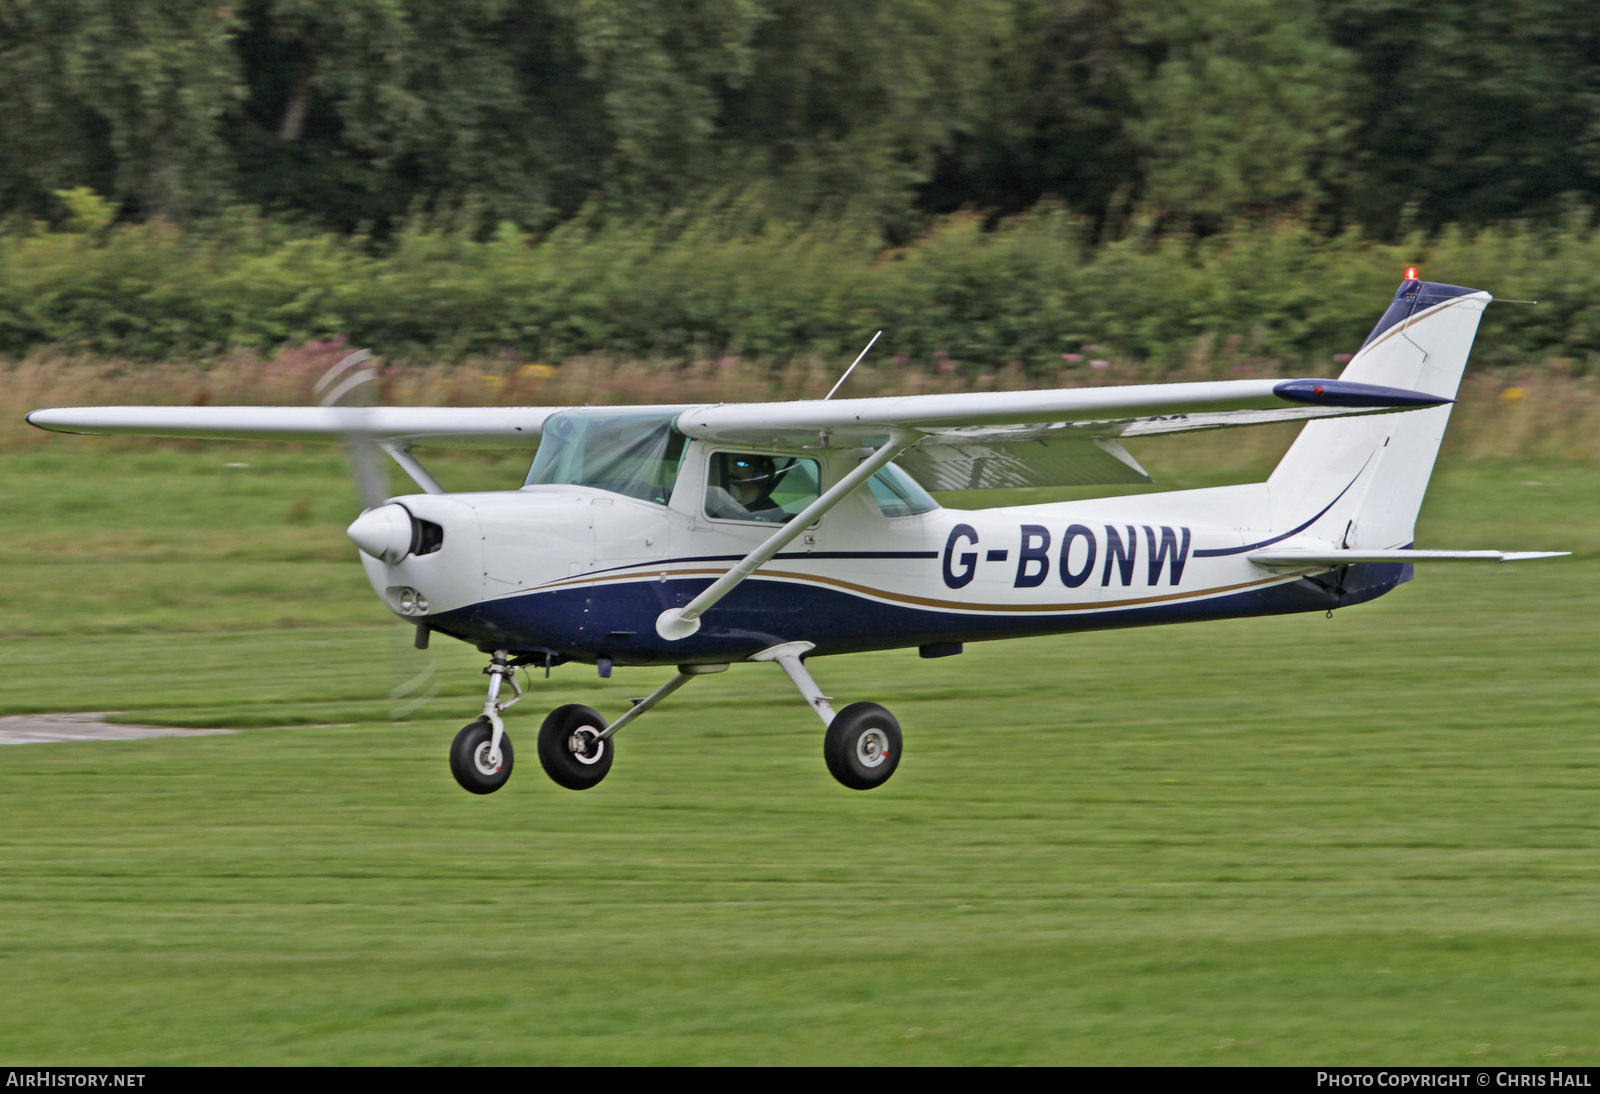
(408, 601)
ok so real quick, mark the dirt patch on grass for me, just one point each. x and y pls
(34, 729)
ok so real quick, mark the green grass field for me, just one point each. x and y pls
(1371, 839)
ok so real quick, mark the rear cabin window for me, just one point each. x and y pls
(898, 494)
(752, 486)
(635, 453)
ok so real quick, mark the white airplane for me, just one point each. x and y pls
(701, 535)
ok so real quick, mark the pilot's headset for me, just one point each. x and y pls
(758, 471)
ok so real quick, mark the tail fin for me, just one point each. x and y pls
(1363, 478)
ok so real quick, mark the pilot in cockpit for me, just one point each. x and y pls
(747, 493)
(751, 480)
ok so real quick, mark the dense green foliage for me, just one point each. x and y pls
(1032, 290)
(350, 112)
(992, 181)
(1288, 841)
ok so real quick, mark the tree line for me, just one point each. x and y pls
(350, 116)
(1032, 296)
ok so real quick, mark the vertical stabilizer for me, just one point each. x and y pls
(1370, 473)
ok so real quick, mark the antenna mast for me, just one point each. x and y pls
(852, 368)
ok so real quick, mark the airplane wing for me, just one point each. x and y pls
(1158, 407)
(1063, 437)
(1066, 436)
(502, 427)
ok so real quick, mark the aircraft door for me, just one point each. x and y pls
(626, 531)
(630, 539)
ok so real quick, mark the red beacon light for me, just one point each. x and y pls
(1411, 273)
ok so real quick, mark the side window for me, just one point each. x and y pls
(751, 486)
(898, 494)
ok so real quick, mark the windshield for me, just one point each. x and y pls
(635, 453)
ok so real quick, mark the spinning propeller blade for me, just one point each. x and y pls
(350, 385)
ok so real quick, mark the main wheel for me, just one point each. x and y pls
(469, 758)
(570, 747)
(862, 746)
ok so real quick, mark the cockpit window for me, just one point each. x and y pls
(898, 494)
(751, 486)
(635, 453)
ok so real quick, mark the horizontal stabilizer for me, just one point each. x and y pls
(1291, 559)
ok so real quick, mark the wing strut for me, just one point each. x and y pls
(675, 624)
(401, 454)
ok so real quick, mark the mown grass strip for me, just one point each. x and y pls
(1297, 840)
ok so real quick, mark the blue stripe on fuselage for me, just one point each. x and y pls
(781, 556)
(617, 619)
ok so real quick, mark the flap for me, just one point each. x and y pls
(944, 463)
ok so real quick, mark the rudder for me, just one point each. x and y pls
(1367, 475)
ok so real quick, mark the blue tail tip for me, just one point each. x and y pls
(1412, 296)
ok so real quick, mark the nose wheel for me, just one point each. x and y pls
(472, 759)
(480, 756)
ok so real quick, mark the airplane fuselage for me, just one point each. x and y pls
(583, 573)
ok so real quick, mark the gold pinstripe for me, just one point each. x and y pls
(924, 601)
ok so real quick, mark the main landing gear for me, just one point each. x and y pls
(861, 745)
(572, 749)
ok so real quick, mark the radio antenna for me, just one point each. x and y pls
(852, 368)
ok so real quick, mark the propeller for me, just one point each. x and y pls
(351, 387)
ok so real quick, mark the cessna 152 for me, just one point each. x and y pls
(697, 536)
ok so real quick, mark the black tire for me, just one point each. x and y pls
(862, 746)
(468, 758)
(569, 747)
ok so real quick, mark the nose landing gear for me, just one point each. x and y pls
(472, 762)
(480, 756)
